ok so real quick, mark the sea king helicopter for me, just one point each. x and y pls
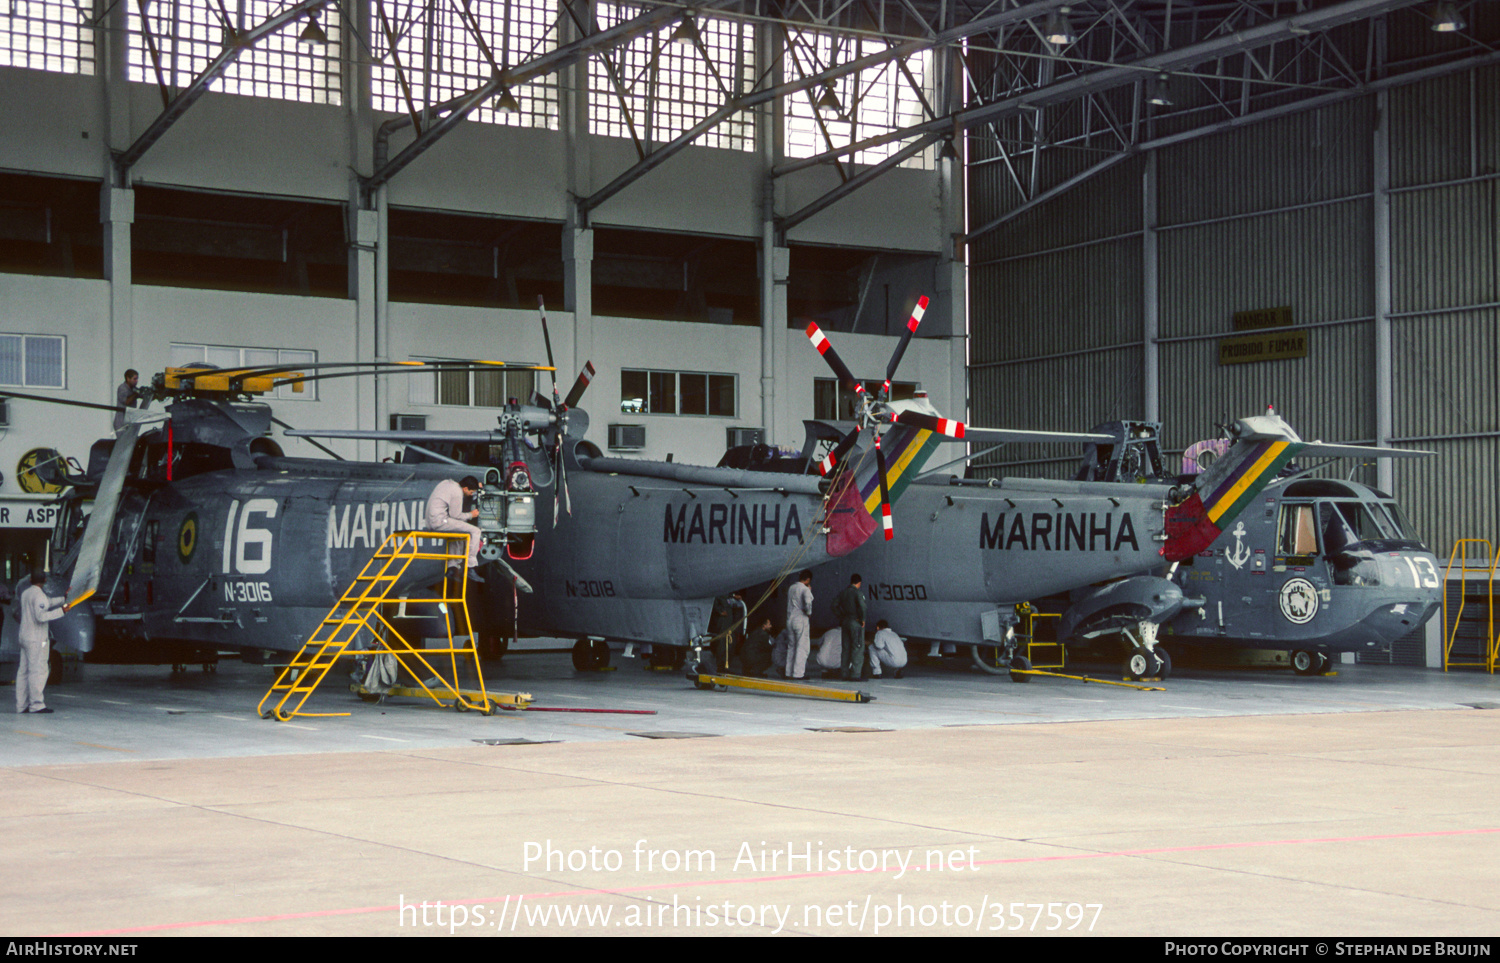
(1239, 561)
(203, 535)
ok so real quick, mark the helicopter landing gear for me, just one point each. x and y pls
(1144, 660)
(590, 655)
(1310, 663)
(1020, 669)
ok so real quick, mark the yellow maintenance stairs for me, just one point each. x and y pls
(1469, 623)
(362, 609)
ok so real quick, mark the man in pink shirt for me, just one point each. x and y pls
(445, 513)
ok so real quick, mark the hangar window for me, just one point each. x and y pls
(229, 356)
(677, 393)
(33, 361)
(832, 402)
(471, 389)
(428, 53)
(50, 35)
(865, 104)
(662, 83)
(173, 41)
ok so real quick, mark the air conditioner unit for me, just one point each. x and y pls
(408, 422)
(627, 437)
(743, 436)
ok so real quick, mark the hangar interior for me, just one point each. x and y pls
(1095, 195)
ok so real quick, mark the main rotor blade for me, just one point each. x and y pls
(381, 434)
(836, 456)
(288, 429)
(911, 329)
(825, 348)
(60, 401)
(1361, 451)
(541, 307)
(885, 494)
(580, 386)
(959, 431)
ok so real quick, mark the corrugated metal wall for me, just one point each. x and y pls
(1281, 213)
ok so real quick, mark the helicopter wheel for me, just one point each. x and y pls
(590, 655)
(495, 647)
(1140, 664)
(989, 658)
(1019, 666)
(1164, 663)
(370, 696)
(1305, 662)
(1325, 664)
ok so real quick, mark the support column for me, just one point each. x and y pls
(116, 214)
(366, 282)
(578, 292)
(774, 257)
(952, 280)
(1151, 309)
(368, 266)
(1385, 475)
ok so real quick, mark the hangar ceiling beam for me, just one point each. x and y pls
(853, 184)
(898, 52)
(1244, 120)
(1106, 78)
(554, 60)
(234, 45)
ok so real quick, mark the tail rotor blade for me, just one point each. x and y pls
(825, 348)
(911, 329)
(885, 494)
(580, 386)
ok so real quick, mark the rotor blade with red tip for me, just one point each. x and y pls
(911, 329)
(943, 426)
(836, 457)
(580, 386)
(885, 494)
(825, 348)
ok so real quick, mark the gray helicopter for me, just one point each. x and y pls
(976, 548)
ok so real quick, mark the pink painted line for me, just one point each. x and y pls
(354, 911)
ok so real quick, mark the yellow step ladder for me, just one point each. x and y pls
(360, 609)
(1485, 648)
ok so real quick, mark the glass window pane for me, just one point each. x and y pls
(632, 392)
(489, 389)
(663, 393)
(453, 387)
(694, 394)
(10, 359)
(721, 400)
(182, 355)
(260, 358)
(44, 362)
(825, 399)
(222, 357)
(423, 389)
(520, 385)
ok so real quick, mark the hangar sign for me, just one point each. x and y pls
(1274, 345)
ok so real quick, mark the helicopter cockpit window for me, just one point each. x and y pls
(1400, 525)
(1296, 533)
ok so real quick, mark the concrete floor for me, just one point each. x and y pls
(1246, 804)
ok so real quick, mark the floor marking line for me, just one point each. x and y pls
(624, 890)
